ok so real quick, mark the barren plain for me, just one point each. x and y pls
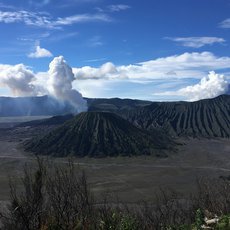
(131, 179)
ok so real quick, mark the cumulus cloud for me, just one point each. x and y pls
(211, 86)
(60, 86)
(18, 79)
(197, 42)
(106, 71)
(40, 53)
(186, 65)
(178, 70)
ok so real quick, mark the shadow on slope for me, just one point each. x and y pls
(100, 134)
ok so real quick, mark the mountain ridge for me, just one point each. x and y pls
(206, 118)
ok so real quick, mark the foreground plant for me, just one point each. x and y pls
(58, 197)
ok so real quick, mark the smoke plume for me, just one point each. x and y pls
(57, 83)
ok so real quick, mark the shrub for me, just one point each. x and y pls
(58, 197)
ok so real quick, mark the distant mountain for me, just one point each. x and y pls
(32, 106)
(114, 104)
(99, 134)
(55, 120)
(48, 106)
(204, 118)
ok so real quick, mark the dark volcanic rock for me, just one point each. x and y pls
(99, 134)
(55, 120)
(114, 104)
(204, 118)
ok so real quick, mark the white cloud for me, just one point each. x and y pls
(45, 20)
(106, 71)
(81, 18)
(94, 88)
(117, 8)
(95, 60)
(28, 18)
(186, 65)
(18, 79)
(197, 42)
(210, 86)
(173, 74)
(113, 8)
(225, 24)
(40, 53)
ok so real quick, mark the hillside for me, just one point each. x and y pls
(99, 134)
(204, 118)
(55, 120)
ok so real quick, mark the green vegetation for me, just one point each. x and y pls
(58, 197)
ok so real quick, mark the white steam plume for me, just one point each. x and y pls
(211, 86)
(56, 83)
(60, 86)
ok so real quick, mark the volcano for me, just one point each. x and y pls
(99, 134)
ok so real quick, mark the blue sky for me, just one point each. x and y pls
(151, 49)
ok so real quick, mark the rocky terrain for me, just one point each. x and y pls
(207, 118)
(202, 154)
(99, 134)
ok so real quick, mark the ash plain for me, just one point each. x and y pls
(129, 179)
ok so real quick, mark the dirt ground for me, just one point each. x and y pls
(132, 179)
